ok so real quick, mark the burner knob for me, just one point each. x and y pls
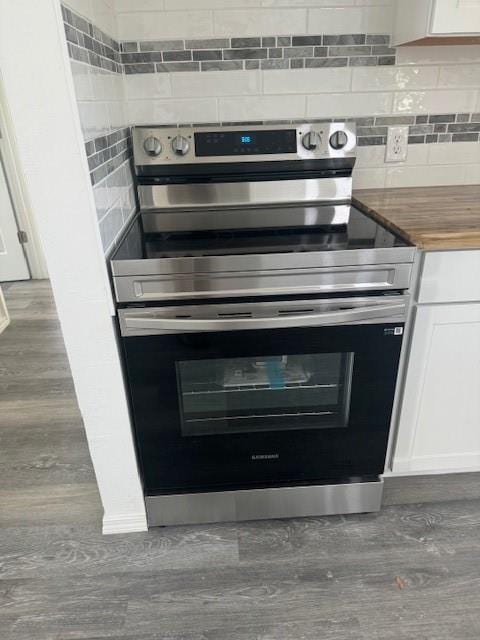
(152, 146)
(180, 145)
(338, 140)
(311, 141)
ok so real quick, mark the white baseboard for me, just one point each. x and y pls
(126, 523)
(430, 465)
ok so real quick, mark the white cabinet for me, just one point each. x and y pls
(455, 16)
(437, 22)
(439, 417)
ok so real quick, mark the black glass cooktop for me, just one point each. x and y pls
(358, 232)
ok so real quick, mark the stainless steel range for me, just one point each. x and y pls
(261, 318)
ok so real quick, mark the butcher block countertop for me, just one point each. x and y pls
(432, 218)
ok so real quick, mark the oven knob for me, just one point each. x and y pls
(152, 146)
(180, 145)
(338, 140)
(311, 141)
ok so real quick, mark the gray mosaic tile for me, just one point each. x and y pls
(166, 67)
(284, 41)
(302, 41)
(244, 54)
(416, 139)
(464, 127)
(420, 129)
(371, 131)
(347, 39)
(325, 62)
(269, 41)
(394, 120)
(244, 43)
(274, 64)
(421, 119)
(161, 45)
(208, 43)
(362, 61)
(359, 50)
(297, 63)
(463, 117)
(140, 68)
(377, 39)
(298, 52)
(222, 65)
(370, 141)
(386, 60)
(252, 64)
(431, 138)
(439, 128)
(136, 58)
(207, 54)
(475, 117)
(320, 52)
(445, 137)
(446, 117)
(90, 147)
(177, 56)
(382, 50)
(275, 52)
(465, 137)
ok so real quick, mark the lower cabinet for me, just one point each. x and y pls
(439, 426)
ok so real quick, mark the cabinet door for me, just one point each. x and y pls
(456, 16)
(439, 427)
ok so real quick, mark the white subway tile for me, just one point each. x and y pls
(240, 22)
(216, 83)
(344, 105)
(460, 75)
(454, 153)
(428, 176)
(160, 24)
(472, 174)
(147, 86)
(130, 6)
(393, 78)
(438, 54)
(82, 7)
(308, 3)
(102, 198)
(186, 5)
(350, 20)
(104, 18)
(439, 101)
(172, 111)
(261, 107)
(82, 81)
(324, 80)
(369, 178)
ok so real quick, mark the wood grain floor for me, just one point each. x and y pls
(410, 572)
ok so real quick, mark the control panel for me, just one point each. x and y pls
(179, 145)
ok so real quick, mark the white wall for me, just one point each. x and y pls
(51, 152)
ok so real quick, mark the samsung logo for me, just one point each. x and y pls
(265, 456)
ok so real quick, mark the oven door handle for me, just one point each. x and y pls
(344, 316)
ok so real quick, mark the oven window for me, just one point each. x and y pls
(274, 393)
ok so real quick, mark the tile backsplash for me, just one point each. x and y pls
(196, 61)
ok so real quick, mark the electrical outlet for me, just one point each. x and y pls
(397, 144)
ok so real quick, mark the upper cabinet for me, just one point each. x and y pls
(429, 22)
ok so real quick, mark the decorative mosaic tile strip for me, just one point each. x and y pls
(272, 52)
(87, 43)
(106, 153)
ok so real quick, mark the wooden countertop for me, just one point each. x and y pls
(432, 218)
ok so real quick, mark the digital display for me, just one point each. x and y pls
(233, 143)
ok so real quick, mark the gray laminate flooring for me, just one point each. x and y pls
(410, 572)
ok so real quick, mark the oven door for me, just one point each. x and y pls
(265, 394)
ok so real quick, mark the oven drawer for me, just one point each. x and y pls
(262, 283)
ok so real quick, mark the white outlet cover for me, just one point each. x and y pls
(397, 144)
